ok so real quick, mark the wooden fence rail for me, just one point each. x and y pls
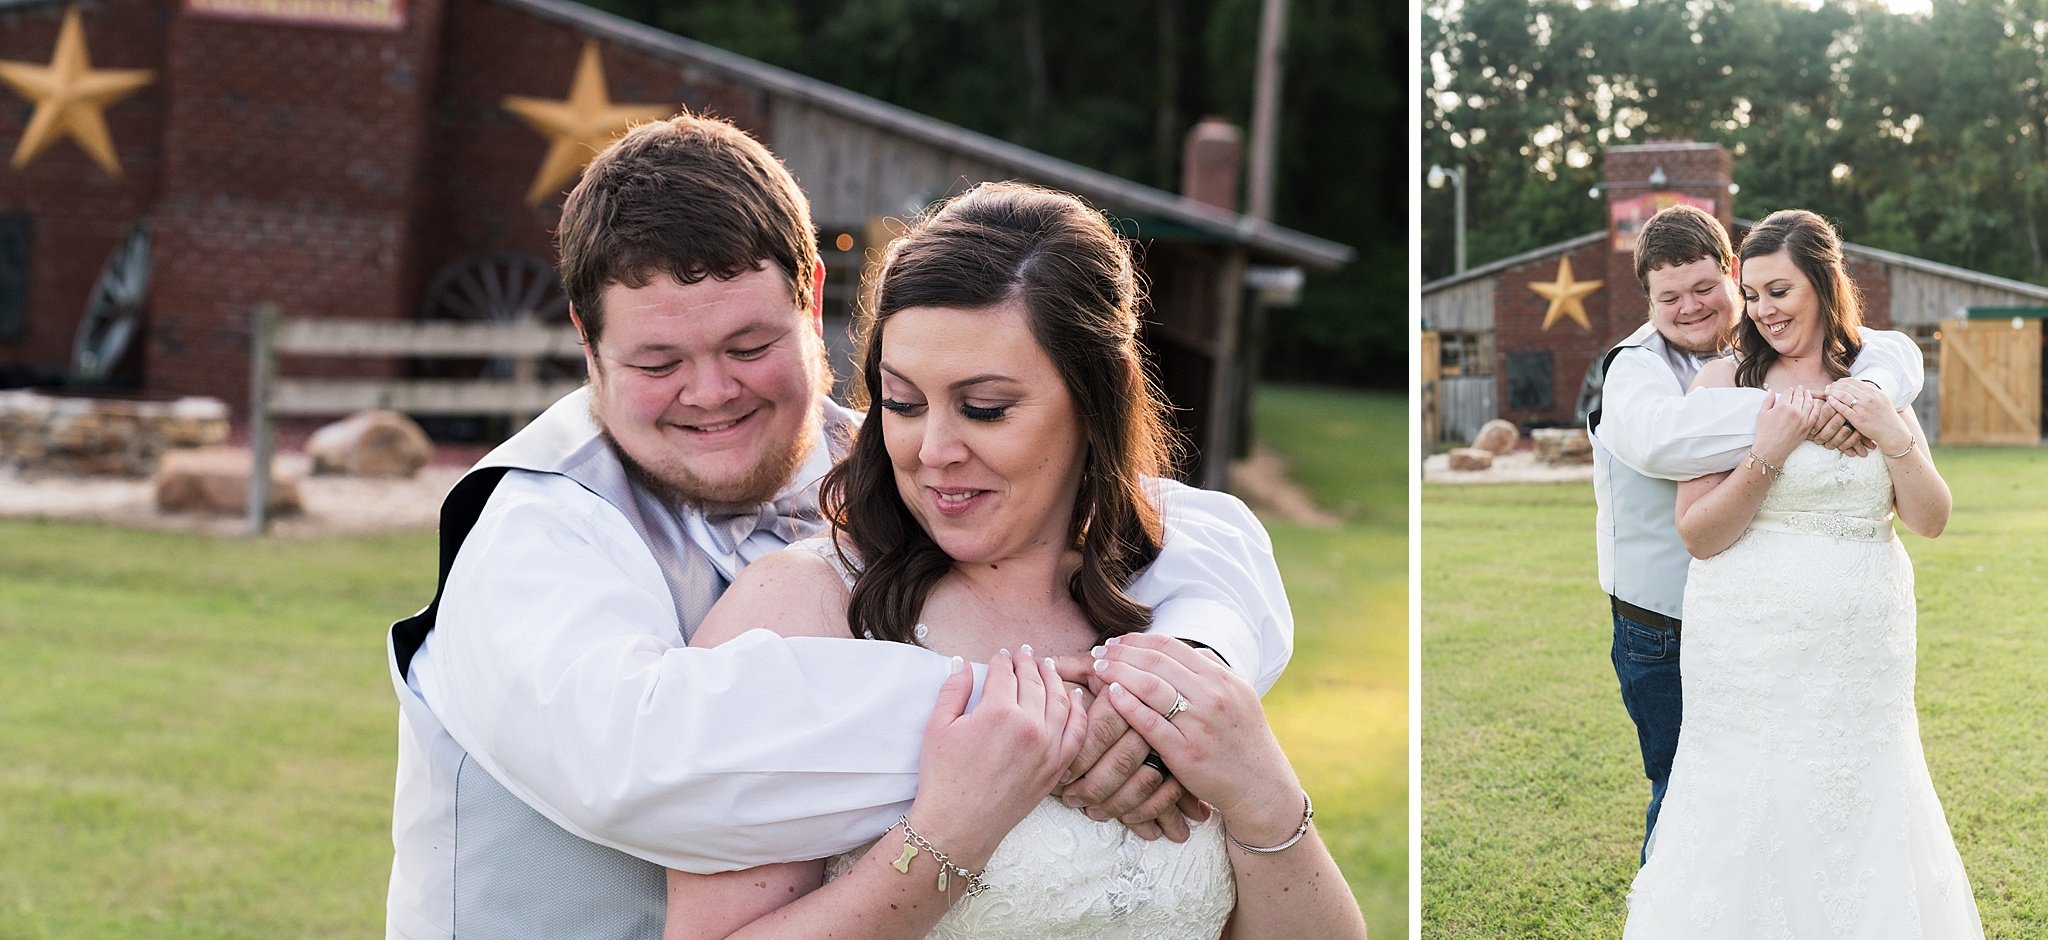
(521, 396)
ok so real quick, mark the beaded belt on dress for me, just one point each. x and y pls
(1860, 528)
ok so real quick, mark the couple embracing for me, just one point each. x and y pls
(1750, 517)
(713, 656)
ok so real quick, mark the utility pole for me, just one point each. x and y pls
(1266, 107)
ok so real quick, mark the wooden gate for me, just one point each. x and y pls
(1429, 357)
(1991, 381)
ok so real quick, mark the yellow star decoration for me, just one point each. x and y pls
(1566, 296)
(579, 127)
(70, 96)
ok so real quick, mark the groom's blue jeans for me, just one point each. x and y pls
(1646, 661)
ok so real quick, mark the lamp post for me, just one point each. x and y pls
(1438, 175)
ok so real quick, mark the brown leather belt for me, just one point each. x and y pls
(1648, 618)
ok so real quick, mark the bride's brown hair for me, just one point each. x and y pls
(995, 243)
(1816, 250)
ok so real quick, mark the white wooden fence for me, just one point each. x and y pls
(522, 395)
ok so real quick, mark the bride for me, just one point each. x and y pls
(1800, 804)
(1001, 493)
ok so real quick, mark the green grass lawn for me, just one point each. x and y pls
(1532, 785)
(199, 733)
(1342, 709)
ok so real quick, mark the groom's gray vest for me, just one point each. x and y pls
(473, 860)
(1638, 534)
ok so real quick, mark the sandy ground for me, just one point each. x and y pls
(358, 506)
(333, 505)
(1516, 467)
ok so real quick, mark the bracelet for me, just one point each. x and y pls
(1910, 441)
(912, 842)
(1760, 465)
(1308, 812)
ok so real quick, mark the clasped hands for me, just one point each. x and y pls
(1850, 415)
(1109, 778)
(1836, 431)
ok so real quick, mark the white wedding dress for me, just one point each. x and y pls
(1061, 874)
(1800, 804)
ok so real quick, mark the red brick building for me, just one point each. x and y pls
(366, 159)
(1507, 349)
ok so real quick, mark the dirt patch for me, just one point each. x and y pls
(1520, 466)
(1262, 481)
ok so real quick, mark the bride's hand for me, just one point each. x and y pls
(1873, 415)
(1785, 419)
(1219, 745)
(982, 771)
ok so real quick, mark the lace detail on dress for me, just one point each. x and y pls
(1800, 804)
(1061, 874)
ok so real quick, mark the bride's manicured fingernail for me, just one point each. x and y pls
(1049, 663)
(1027, 650)
(955, 664)
(1097, 651)
(1002, 652)
(1117, 688)
(1101, 665)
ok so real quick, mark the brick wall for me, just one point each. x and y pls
(292, 155)
(78, 213)
(484, 157)
(1518, 332)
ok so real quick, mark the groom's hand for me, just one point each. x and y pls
(1110, 779)
(1837, 434)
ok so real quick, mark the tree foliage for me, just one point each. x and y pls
(1115, 87)
(1917, 133)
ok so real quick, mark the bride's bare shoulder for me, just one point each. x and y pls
(1717, 373)
(794, 592)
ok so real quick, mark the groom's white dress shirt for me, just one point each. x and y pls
(1650, 434)
(558, 666)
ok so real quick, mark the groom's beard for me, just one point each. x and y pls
(681, 489)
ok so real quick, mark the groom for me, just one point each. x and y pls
(559, 743)
(1650, 434)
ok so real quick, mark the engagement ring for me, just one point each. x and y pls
(1179, 705)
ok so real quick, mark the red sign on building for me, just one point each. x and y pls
(1625, 217)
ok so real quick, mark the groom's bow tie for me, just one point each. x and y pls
(753, 531)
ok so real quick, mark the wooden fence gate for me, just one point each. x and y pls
(1991, 381)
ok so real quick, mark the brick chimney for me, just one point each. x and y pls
(1639, 181)
(1210, 161)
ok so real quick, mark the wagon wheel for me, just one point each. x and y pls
(114, 312)
(500, 287)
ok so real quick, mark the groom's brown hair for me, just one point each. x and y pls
(1681, 234)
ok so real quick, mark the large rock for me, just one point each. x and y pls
(216, 480)
(370, 444)
(1559, 446)
(1498, 436)
(1471, 458)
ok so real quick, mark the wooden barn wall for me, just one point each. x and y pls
(1465, 308)
(1924, 298)
(855, 173)
(1467, 403)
